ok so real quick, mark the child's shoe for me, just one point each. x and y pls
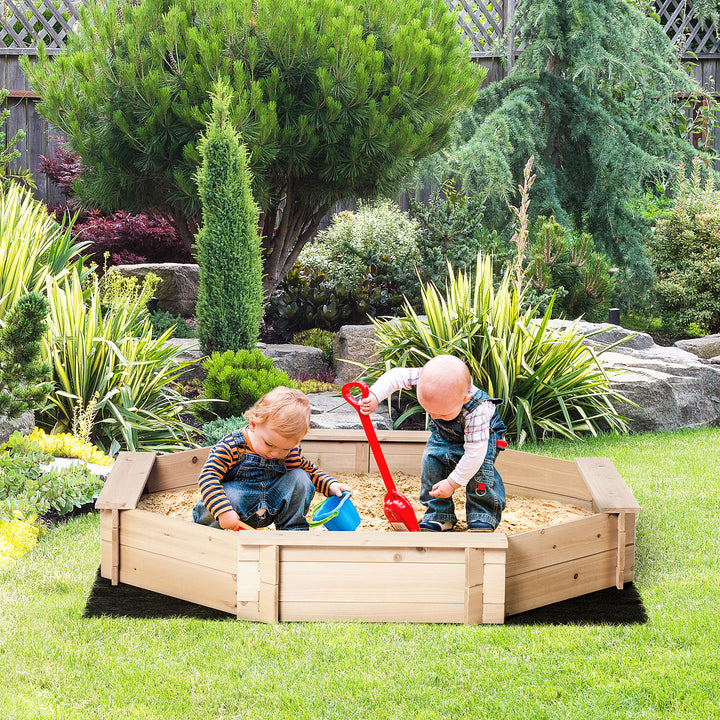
(480, 526)
(435, 526)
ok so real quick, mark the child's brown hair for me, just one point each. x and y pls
(286, 410)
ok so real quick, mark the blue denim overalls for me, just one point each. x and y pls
(263, 491)
(485, 499)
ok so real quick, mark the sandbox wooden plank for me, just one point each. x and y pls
(371, 582)
(559, 582)
(556, 544)
(608, 489)
(126, 481)
(393, 612)
(178, 578)
(533, 475)
(397, 555)
(373, 539)
(175, 538)
(177, 471)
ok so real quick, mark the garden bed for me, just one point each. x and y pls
(372, 575)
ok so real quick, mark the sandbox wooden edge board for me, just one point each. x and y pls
(272, 576)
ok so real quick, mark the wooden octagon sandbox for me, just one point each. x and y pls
(372, 576)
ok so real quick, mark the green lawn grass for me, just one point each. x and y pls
(57, 664)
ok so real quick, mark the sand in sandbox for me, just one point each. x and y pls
(368, 496)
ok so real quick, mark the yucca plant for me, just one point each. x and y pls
(33, 246)
(106, 354)
(550, 383)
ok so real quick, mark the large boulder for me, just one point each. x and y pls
(672, 388)
(178, 291)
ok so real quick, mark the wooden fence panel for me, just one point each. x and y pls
(486, 27)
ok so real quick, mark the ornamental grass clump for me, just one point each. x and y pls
(550, 383)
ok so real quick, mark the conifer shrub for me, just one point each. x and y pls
(315, 337)
(25, 378)
(452, 231)
(215, 430)
(684, 251)
(565, 265)
(230, 298)
(239, 378)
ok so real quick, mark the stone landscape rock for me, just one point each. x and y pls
(23, 424)
(298, 361)
(329, 411)
(352, 344)
(707, 347)
(178, 291)
(672, 388)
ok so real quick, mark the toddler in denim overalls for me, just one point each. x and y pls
(258, 475)
(462, 447)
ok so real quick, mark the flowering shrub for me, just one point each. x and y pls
(17, 536)
(129, 239)
(69, 446)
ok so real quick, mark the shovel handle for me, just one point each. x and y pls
(369, 430)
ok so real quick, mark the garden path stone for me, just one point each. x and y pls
(328, 411)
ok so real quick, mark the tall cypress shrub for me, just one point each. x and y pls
(230, 297)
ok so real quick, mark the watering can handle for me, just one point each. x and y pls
(369, 430)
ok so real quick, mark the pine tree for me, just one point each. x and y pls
(336, 99)
(230, 298)
(24, 377)
(594, 97)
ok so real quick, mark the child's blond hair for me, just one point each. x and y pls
(284, 409)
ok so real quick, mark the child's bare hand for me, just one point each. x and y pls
(368, 404)
(229, 520)
(338, 488)
(444, 489)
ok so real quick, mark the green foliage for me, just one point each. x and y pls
(230, 299)
(565, 265)
(162, 321)
(594, 97)
(25, 379)
(8, 151)
(335, 99)
(105, 354)
(306, 299)
(27, 489)
(239, 379)
(363, 264)
(34, 249)
(315, 337)
(380, 236)
(452, 232)
(549, 382)
(218, 429)
(685, 253)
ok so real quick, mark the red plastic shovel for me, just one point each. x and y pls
(398, 510)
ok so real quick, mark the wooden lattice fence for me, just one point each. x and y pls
(487, 27)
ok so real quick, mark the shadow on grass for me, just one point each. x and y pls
(605, 607)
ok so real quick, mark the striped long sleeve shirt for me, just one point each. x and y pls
(226, 454)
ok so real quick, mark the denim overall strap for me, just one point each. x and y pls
(453, 431)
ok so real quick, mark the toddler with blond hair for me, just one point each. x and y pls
(258, 475)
